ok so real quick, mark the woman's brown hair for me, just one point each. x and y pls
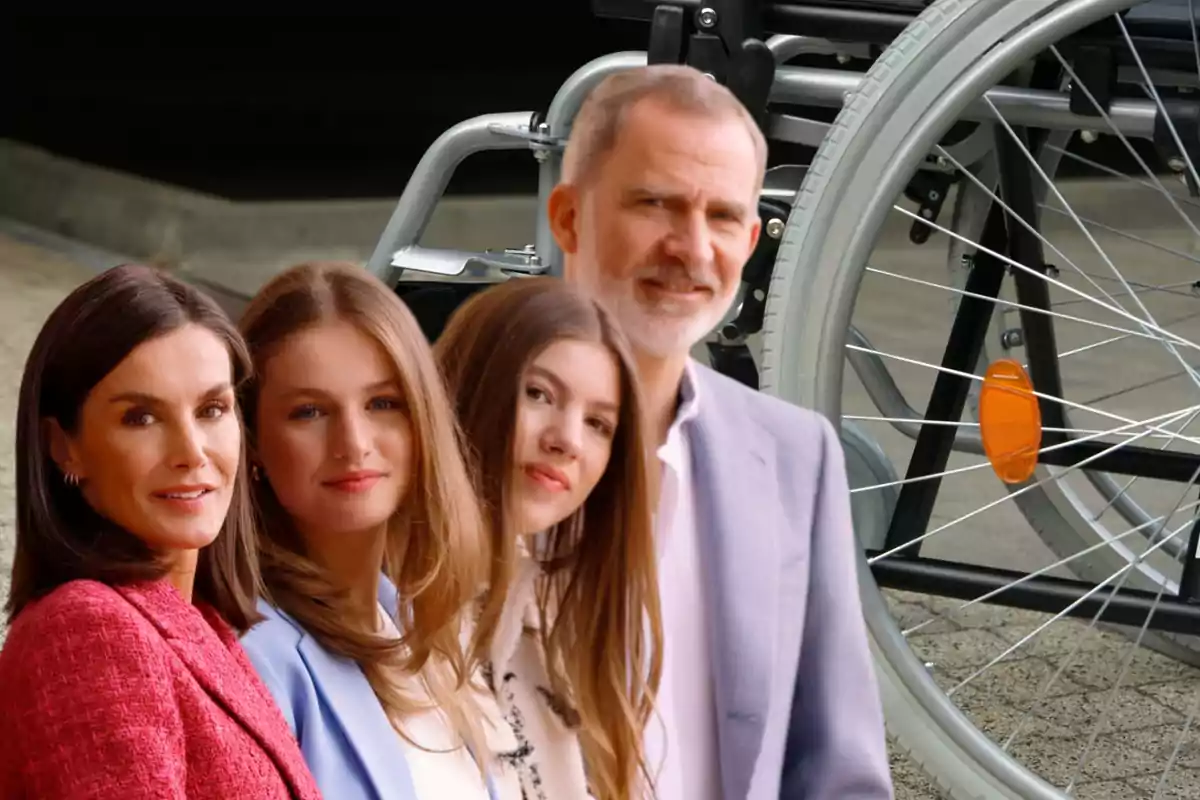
(60, 538)
(600, 619)
(436, 548)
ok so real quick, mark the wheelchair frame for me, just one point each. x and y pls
(721, 32)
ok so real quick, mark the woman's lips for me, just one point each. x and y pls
(548, 477)
(355, 482)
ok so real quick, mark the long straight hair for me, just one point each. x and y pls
(598, 602)
(436, 547)
(60, 537)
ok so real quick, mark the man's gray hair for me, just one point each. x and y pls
(681, 88)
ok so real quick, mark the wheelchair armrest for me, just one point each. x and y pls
(464, 263)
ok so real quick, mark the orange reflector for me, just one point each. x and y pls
(1010, 421)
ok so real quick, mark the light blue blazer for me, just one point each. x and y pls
(350, 746)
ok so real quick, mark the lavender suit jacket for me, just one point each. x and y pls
(799, 714)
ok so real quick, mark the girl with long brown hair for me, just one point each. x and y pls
(569, 631)
(371, 536)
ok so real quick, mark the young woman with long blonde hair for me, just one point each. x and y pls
(372, 540)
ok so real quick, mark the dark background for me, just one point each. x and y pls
(291, 105)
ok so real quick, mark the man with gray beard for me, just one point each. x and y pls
(768, 688)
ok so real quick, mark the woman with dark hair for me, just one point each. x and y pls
(570, 630)
(135, 567)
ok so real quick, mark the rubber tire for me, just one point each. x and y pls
(947, 57)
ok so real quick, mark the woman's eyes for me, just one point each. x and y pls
(306, 411)
(601, 425)
(141, 417)
(312, 411)
(537, 394)
(137, 418)
(386, 404)
(215, 410)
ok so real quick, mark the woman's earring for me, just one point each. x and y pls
(71, 479)
(255, 472)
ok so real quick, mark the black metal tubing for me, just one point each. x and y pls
(1189, 581)
(1041, 347)
(1024, 247)
(835, 23)
(666, 35)
(879, 22)
(1145, 462)
(734, 361)
(737, 21)
(931, 452)
(1182, 119)
(1039, 593)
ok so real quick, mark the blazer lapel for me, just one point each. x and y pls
(208, 647)
(731, 467)
(351, 700)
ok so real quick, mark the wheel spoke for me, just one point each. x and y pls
(1070, 403)
(1162, 588)
(1015, 305)
(1163, 334)
(1073, 605)
(1027, 487)
(1100, 251)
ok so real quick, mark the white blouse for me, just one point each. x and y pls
(534, 750)
(441, 767)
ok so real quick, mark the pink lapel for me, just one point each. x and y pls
(209, 648)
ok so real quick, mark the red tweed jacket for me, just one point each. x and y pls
(133, 693)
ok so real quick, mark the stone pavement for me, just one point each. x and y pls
(1130, 751)
(1144, 721)
(32, 282)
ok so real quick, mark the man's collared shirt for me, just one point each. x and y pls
(681, 740)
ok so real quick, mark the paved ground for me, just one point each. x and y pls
(32, 281)
(1145, 717)
(1143, 721)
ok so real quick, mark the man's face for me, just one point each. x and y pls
(663, 226)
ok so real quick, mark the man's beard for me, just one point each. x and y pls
(653, 328)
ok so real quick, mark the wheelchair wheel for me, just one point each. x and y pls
(916, 91)
(1063, 519)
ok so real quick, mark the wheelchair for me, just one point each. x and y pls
(950, 126)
